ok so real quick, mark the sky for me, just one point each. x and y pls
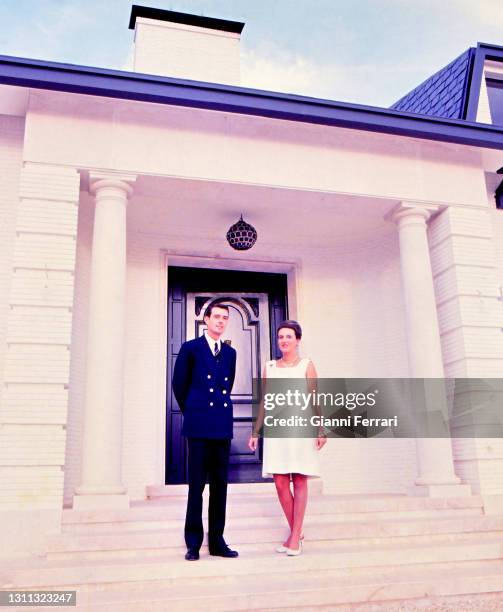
(366, 51)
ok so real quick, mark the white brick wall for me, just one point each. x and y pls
(37, 350)
(467, 277)
(497, 227)
(352, 311)
(11, 151)
(187, 52)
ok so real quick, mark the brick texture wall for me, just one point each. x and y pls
(187, 52)
(467, 262)
(11, 151)
(38, 338)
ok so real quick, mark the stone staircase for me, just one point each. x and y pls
(374, 552)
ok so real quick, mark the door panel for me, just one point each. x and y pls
(253, 317)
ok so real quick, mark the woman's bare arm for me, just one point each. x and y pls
(312, 381)
(253, 440)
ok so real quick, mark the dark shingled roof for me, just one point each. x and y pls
(444, 94)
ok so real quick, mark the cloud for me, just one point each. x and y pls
(371, 55)
(275, 69)
(271, 68)
(486, 13)
(47, 32)
(388, 56)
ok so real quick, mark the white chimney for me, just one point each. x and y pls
(185, 46)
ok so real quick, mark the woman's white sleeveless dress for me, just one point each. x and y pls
(289, 455)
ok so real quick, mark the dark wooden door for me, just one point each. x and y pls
(257, 303)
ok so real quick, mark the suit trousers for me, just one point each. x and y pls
(208, 459)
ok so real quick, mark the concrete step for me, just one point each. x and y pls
(64, 573)
(262, 521)
(164, 547)
(297, 588)
(265, 505)
(471, 602)
(333, 588)
(253, 533)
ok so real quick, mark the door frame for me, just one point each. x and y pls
(287, 269)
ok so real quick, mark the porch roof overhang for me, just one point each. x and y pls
(56, 76)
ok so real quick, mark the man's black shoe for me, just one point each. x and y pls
(192, 555)
(224, 552)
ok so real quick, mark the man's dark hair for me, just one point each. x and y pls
(293, 325)
(216, 304)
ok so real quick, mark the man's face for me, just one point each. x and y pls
(217, 321)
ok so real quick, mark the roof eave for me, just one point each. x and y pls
(164, 90)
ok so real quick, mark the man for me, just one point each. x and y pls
(202, 383)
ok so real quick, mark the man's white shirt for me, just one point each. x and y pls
(211, 342)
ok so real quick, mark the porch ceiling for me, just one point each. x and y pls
(281, 216)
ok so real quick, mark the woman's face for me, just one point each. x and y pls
(287, 340)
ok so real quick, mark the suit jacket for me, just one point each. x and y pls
(202, 385)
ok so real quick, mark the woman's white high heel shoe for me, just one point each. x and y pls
(291, 552)
(284, 549)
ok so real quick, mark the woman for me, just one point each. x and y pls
(286, 458)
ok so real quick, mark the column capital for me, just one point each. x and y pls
(120, 180)
(412, 209)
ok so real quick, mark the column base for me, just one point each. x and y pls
(100, 502)
(440, 490)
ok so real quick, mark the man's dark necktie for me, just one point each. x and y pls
(216, 350)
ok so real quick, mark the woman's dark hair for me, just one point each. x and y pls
(293, 325)
(215, 304)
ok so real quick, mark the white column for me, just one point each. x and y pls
(101, 477)
(435, 462)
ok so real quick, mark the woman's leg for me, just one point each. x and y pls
(299, 508)
(282, 482)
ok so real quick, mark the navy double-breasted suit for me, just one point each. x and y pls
(202, 385)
